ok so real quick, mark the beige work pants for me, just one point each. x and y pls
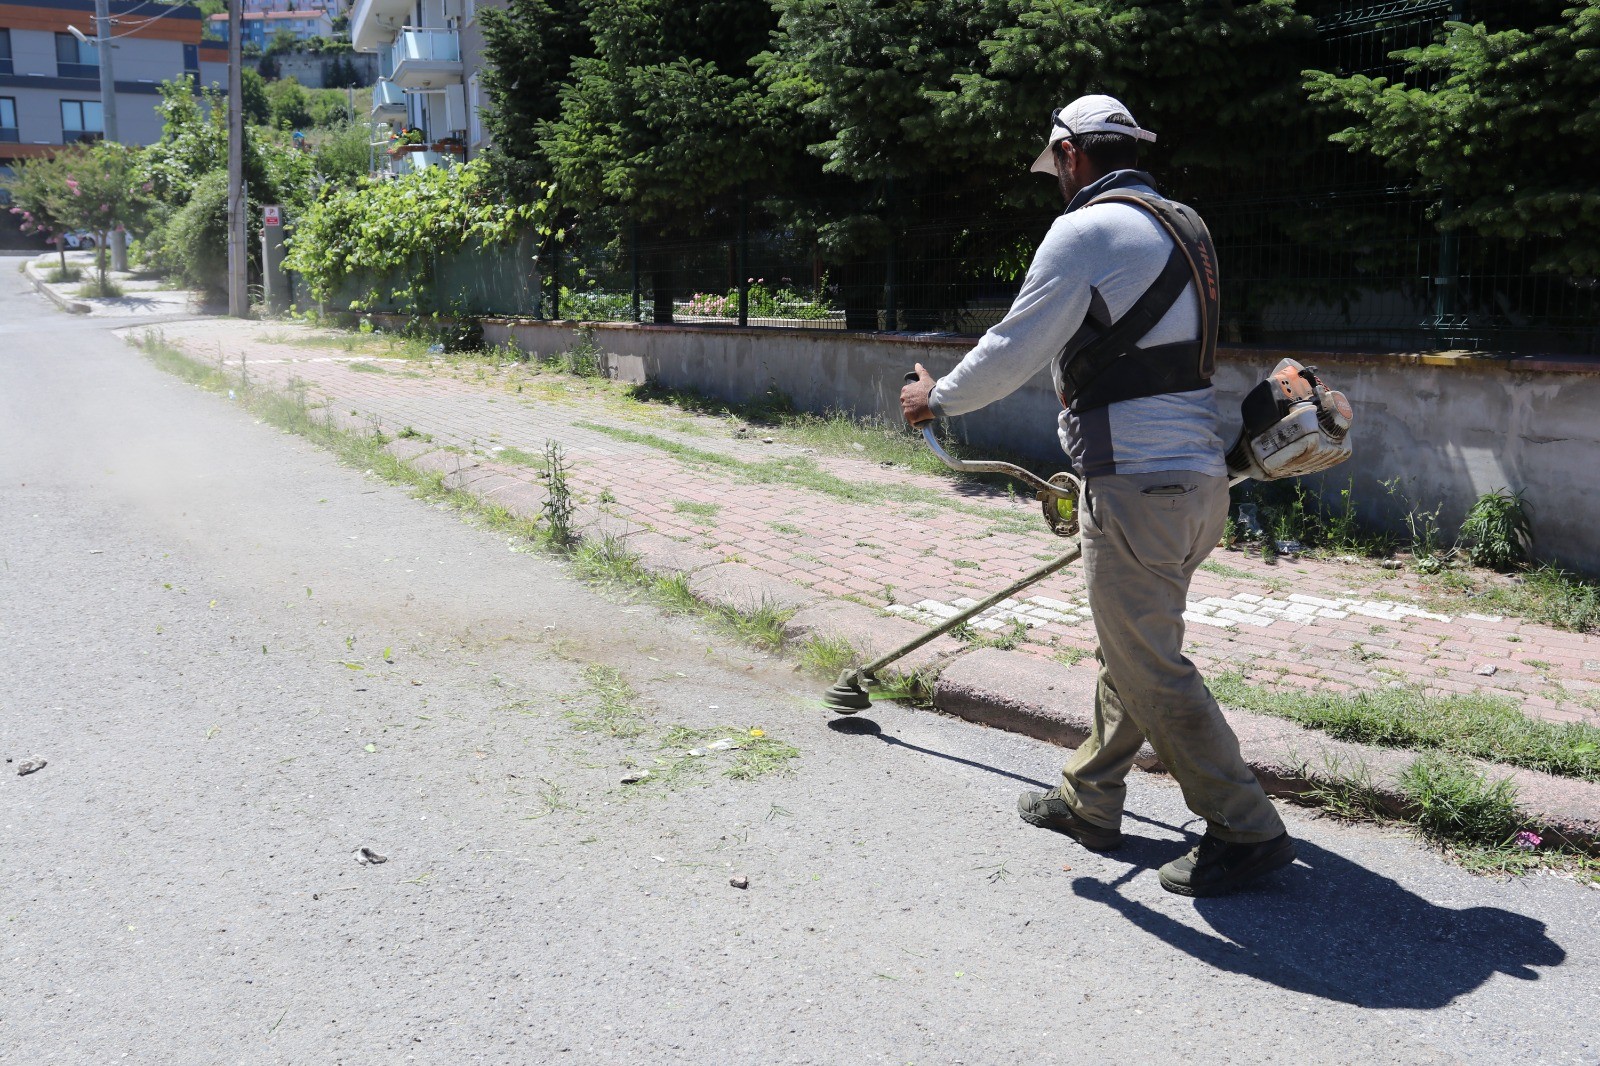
(1143, 537)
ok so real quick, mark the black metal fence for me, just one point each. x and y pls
(1348, 256)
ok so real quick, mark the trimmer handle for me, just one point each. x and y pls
(926, 424)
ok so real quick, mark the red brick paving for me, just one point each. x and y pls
(859, 551)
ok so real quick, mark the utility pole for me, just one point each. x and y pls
(108, 109)
(238, 250)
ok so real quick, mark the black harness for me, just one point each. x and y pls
(1101, 364)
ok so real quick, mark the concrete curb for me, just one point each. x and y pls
(71, 307)
(1014, 691)
(1024, 694)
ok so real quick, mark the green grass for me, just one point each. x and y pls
(98, 289)
(828, 656)
(608, 562)
(1471, 816)
(1545, 594)
(367, 368)
(517, 457)
(699, 510)
(1475, 726)
(1456, 802)
(1212, 567)
(392, 345)
(1071, 656)
(877, 440)
(612, 707)
(60, 276)
(798, 471)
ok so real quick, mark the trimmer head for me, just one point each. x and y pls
(846, 696)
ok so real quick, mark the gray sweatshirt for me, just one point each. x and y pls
(1095, 261)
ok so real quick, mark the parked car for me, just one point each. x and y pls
(81, 238)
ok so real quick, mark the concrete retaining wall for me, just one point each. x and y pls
(1448, 427)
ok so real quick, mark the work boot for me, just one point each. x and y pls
(1049, 811)
(1216, 867)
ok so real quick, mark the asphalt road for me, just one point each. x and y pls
(185, 597)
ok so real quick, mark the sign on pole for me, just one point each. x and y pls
(272, 215)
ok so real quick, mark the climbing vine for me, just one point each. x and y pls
(387, 232)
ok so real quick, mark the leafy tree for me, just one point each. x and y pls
(530, 46)
(1504, 123)
(194, 140)
(328, 107)
(345, 154)
(102, 189)
(935, 109)
(282, 41)
(253, 97)
(665, 116)
(36, 188)
(290, 103)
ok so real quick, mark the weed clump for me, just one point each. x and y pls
(1456, 803)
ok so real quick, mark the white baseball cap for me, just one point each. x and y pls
(1086, 114)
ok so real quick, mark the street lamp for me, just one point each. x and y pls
(108, 103)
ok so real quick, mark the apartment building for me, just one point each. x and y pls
(260, 27)
(428, 82)
(50, 80)
(333, 7)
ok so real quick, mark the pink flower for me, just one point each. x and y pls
(147, 186)
(105, 207)
(1528, 841)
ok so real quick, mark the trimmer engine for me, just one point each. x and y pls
(1293, 425)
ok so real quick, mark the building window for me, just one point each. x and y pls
(75, 58)
(81, 120)
(5, 52)
(8, 120)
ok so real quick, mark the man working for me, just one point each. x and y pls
(1111, 304)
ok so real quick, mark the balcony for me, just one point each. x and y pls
(427, 58)
(373, 23)
(388, 100)
(422, 159)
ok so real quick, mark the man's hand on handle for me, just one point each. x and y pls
(914, 397)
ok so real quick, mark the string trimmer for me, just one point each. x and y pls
(1293, 425)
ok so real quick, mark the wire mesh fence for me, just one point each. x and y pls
(1332, 251)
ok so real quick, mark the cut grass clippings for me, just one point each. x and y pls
(611, 706)
(1474, 726)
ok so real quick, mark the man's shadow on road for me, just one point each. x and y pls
(1325, 926)
(1332, 928)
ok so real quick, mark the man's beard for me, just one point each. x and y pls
(1069, 185)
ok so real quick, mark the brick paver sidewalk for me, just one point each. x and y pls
(1299, 622)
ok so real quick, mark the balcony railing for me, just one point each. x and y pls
(77, 70)
(425, 58)
(10, 134)
(427, 46)
(388, 98)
